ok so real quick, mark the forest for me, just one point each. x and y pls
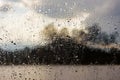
(67, 50)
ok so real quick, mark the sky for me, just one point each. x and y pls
(21, 21)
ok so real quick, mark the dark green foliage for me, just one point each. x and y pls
(64, 49)
(93, 32)
(61, 51)
(97, 36)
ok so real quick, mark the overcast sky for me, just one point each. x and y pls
(25, 17)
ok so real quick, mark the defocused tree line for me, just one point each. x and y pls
(65, 49)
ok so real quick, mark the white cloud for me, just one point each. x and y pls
(22, 24)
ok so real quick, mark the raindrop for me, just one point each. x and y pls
(49, 10)
(0, 38)
(40, 10)
(76, 71)
(66, 3)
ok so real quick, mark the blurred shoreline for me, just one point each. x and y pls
(48, 72)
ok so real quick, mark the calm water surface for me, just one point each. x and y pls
(51, 72)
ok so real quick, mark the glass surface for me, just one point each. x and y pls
(59, 39)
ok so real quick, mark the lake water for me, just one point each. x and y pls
(58, 72)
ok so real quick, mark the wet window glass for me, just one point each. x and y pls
(59, 39)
